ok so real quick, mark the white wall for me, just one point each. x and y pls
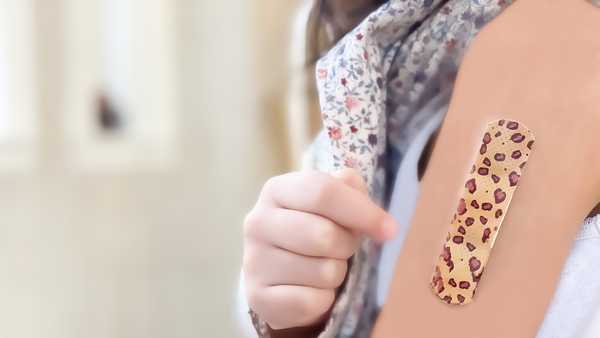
(146, 253)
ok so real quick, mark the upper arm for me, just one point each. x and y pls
(555, 93)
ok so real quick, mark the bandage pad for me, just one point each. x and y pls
(486, 195)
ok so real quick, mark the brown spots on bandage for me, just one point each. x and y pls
(513, 178)
(470, 246)
(487, 138)
(458, 239)
(530, 144)
(474, 204)
(483, 220)
(446, 255)
(460, 298)
(501, 122)
(462, 207)
(516, 154)
(499, 196)
(471, 186)
(462, 230)
(474, 264)
(499, 157)
(486, 206)
(487, 161)
(483, 149)
(483, 171)
(498, 213)
(437, 281)
(495, 178)
(469, 221)
(452, 282)
(512, 125)
(517, 137)
(486, 235)
(464, 284)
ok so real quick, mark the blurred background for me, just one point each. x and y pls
(134, 136)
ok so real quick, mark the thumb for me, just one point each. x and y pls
(352, 178)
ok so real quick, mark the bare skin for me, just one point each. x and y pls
(537, 63)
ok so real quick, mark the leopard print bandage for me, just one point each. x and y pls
(505, 148)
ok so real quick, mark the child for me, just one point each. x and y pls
(384, 89)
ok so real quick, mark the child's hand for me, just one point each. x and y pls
(298, 239)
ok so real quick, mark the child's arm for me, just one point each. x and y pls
(539, 64)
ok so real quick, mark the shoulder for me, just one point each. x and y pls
(540, 66)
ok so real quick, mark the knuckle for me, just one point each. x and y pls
(300, 308)
(306, 307)
(252, 223)
(348, 249)
(271, 185)
(340, 272)
(326, 300)
(326, 238)
(297, 307)
(315, 305)
(333, 272)
(335, 242)
(303, 308)
(345, 251)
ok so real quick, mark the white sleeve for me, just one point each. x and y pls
(577, 297)
(593, 331)
(243, 318)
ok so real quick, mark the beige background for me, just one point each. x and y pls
(149, 253)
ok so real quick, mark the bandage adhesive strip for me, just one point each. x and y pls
(486, 195)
